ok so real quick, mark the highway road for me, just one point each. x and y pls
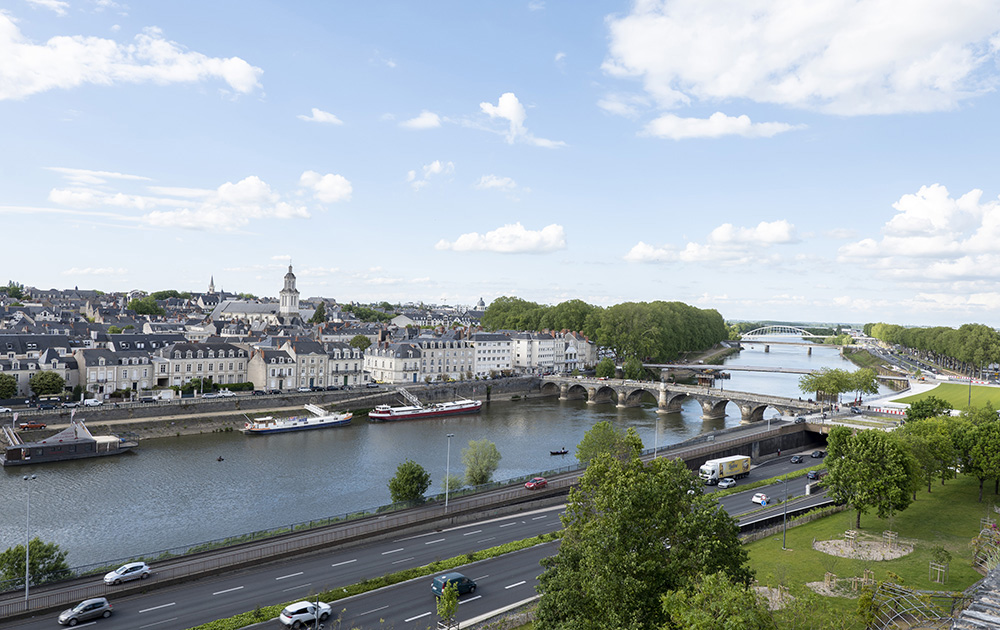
(505, 580)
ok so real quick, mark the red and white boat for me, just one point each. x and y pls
(386, 413)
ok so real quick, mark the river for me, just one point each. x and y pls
(173, 491)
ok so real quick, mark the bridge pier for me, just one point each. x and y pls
(767, 348)
(809, 351)
(713, 409)
(621, 400)
(563, 392)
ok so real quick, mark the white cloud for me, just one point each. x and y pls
(57, 6)
(934, 238)
(230, 207)
(510, 109)
(426, 120)
(66, 62)
(437, 167)
(627, 105)
(510, 239)
(715, 126)
(488, 182)
(329, 188)
(318, 115)
(84, 176)
(726, 244)
(95, 271)
(846, 57)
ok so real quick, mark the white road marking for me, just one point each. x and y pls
(508, 524)
(469, 599)
(403, 560)
(158, 607)
(431, 542)
(148, 625)
(295, 588)
(478, 531)
(486, 539)
(516, 584)
(417, 617)
(373, 610)
(228, 590)
(386, 553)
(344, 562)
(538, 517)
(285, 577)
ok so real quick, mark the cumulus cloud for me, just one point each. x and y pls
(66, 62)
(934, 237)
(329, 188)
(426, 120)
(509, 108)
(56, 6)
(230, 207)
(726, 244)
(492, 182)
(318, 115)
(437, 167)
(715, 126)
(509, 239)
(844, 57)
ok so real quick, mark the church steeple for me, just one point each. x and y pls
(211, 285)
(289, 296)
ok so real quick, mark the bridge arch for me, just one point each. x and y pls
(778, 330)
(602, 394)
(550, 388)
(640, 395)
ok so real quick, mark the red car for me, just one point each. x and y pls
(31, 424)
(536, 483)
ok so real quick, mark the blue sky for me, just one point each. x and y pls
(825, 161)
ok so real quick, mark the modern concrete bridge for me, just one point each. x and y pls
(670, 396)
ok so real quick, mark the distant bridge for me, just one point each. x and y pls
(781, 330)
(704, 367)
(670, 396)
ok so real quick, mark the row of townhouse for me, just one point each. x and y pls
(423, 358)
(552, 352)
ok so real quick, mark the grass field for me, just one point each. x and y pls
(948, 517)
(957, 395)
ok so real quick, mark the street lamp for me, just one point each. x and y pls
(447, 473)
(27, 538)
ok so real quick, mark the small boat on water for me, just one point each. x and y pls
(561, 451)
(320, 419)
(73, 442)
(416, 410)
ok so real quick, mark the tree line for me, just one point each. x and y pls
(968, 348)
(649, 331)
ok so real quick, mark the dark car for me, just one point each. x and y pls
(46, 405)
(332, 388)
(273, 391)
(462, 583)
(856, 410)
(812, 474)
(257, 392)
(800, 420)
(817, 454)
(796, 459)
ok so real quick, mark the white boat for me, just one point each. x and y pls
(416, 410)
(320, 419)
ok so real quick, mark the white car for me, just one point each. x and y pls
(209, 395)
(6, 410)
(126, 572)
(299, 614)
(728, 482)
(92, 402)
(225, 393)
(760, 498)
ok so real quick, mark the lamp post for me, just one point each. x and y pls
(27, 538)
(784, 517)
(447, 473)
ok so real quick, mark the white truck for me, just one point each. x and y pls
(713, 470)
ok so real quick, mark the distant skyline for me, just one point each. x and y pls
(832, 162)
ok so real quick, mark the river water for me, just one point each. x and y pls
(173, 491)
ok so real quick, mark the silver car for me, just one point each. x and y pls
(126, 572)
(86, 610)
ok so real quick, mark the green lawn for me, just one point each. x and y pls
(957, 395)
(949, 517)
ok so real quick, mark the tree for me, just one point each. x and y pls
(869, 469)
(8, 386)
(13, 290)
(451, 482)
(605, 368)
(320, 315)
(169, 293)
(47, 383)
(146, 306)
(632, 368)
(634, 532)
(832, 382)
(114, 330)
(603, 438)
(714, 602)
(481, 459)
(863, 382)
(47, 562)
(930, 407)
(447, 604)
(410, 482)
(360, 342)
(931, 443)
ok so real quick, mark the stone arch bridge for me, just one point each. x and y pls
(670, 396)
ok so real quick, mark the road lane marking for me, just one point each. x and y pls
(486, 539)
(148, 625)
(516, 584)
(284, 577)
(344, 562)
(228, 590)
(293, 588)
(431, 542)
(469, 599)
(538, 517)
(373, 610)
(403, 560)
(508, 524)
(478, 531)
(386, 553)
(417, 617)
(158, 607)
(89, 623)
